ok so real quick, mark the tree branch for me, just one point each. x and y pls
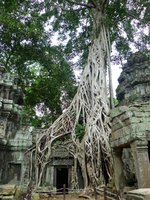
(82, 4)
(93, 3)
(103, 4)
(68, 10)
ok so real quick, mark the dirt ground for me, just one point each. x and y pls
(72, 197)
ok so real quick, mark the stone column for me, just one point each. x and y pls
(48, 175)
(118, 170)
(139, 151)
(51, 170)
(69, 177)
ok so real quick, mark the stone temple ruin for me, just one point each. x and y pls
(59, 170)
(130, 138)
(14, 139)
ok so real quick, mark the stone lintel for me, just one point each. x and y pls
(62, 162)
(139, 151)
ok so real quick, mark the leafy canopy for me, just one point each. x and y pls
(127, 20)
(29, 27)
(43, 72)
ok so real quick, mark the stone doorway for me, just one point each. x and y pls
(62, 177)
(14, 173)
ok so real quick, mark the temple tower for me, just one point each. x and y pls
(130, 139)
(14, 138)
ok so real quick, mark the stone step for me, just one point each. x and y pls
(8, 197)
(7, 190)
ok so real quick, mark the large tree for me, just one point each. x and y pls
(26, 51)
(98, 24)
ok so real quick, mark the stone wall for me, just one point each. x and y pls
(13, 158)
(130, 123)
(134, 81)
(130, 137)
(14, 139)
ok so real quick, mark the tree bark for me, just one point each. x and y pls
(91, 102)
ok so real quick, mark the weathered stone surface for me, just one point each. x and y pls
(7, 190)
(131, 124)
(40, 196)
(35, 196)
(139, 151)
(19, 192)
(8, 197)
(44, 196)
(129, 170)
(60, 153)
(134, 82)
(119, 177)
(14, 139)
(118, 110)
(139, 194)
(65, 162)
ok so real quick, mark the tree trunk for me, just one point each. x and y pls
(92, 106)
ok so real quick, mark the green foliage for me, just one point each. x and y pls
(80, 131)
(26, 34)
(47, 81)
(21, 32)
(57, 142)
(73, 21)
(73, 25)
(126, 21)
(115, 102)
(52, 89)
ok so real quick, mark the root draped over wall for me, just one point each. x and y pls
(90, 108)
